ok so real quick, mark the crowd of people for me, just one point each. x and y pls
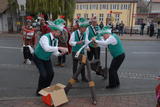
(152, 28)
(54, 38)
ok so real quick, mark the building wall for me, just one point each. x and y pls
(122, 10)
(3, 23)
(7, 24)
(155, 7)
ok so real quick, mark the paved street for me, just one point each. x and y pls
(141, 66)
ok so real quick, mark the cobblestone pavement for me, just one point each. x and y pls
(128, 100)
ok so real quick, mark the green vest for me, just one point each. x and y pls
(77, 39)
(117, 49)
(92, 34)
(41, 53)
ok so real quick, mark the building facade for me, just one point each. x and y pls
(108, 10)
(8, 18)
(155, 8)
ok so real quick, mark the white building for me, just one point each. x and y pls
(9, 20)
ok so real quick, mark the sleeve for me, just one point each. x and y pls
(110, 40)
(44, 42)
(87, 41)
(72, 40)
(87, 34)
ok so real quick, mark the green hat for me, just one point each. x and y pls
(105, 30)
(83, 22)
(58, 24)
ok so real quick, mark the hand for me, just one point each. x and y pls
(88, 49)
(94, 39)
(63, 50)
(80, 42)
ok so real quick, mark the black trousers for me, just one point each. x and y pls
(141, 32)
(75, 65)
(46, 72)
(61, 59)
(113, 75)
(93, 52)
(158, 34)
(26, 53)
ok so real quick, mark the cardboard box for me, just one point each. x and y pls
(54, 95)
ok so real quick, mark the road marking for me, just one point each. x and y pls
(153, 53)
(131, 75)
(5, 47)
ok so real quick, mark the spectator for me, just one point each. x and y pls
(158, 28)
(121, 28)
(142, 28)
(151, 29)
(101, 25)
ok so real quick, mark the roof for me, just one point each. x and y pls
(3, 5)
(156, 1)
(89, 1)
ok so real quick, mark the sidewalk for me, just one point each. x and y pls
(139, 37)
(124, 37)
(131, 100)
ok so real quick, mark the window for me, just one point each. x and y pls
(103, 6)
(101, 16)
(111, 6)
(97, 6)
(129, 6)
(100, 7)
(121, 6)
(107, 7)
(77, 7)
(117, 17)
(109, 15)
(94, 6)
(125, 6)
(85, 7)
(85, 15)
(80, 7)
(117, 6)
(22, 7)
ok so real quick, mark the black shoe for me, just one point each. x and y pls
(76, 80)
(37, 93)
(85, 80)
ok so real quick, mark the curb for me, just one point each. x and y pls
(80, 96)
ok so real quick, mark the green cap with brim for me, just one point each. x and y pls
(58, 24)
(105, 30)
(83, 22)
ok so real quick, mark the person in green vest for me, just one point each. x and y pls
(117, 52)
(47, 45)
(92, 31)
(77, 40)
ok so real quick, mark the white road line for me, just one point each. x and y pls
(5, 47)
(152, 53)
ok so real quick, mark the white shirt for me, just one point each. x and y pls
(87, 32)
(44, 42)
(111, 40)
(72, 41)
